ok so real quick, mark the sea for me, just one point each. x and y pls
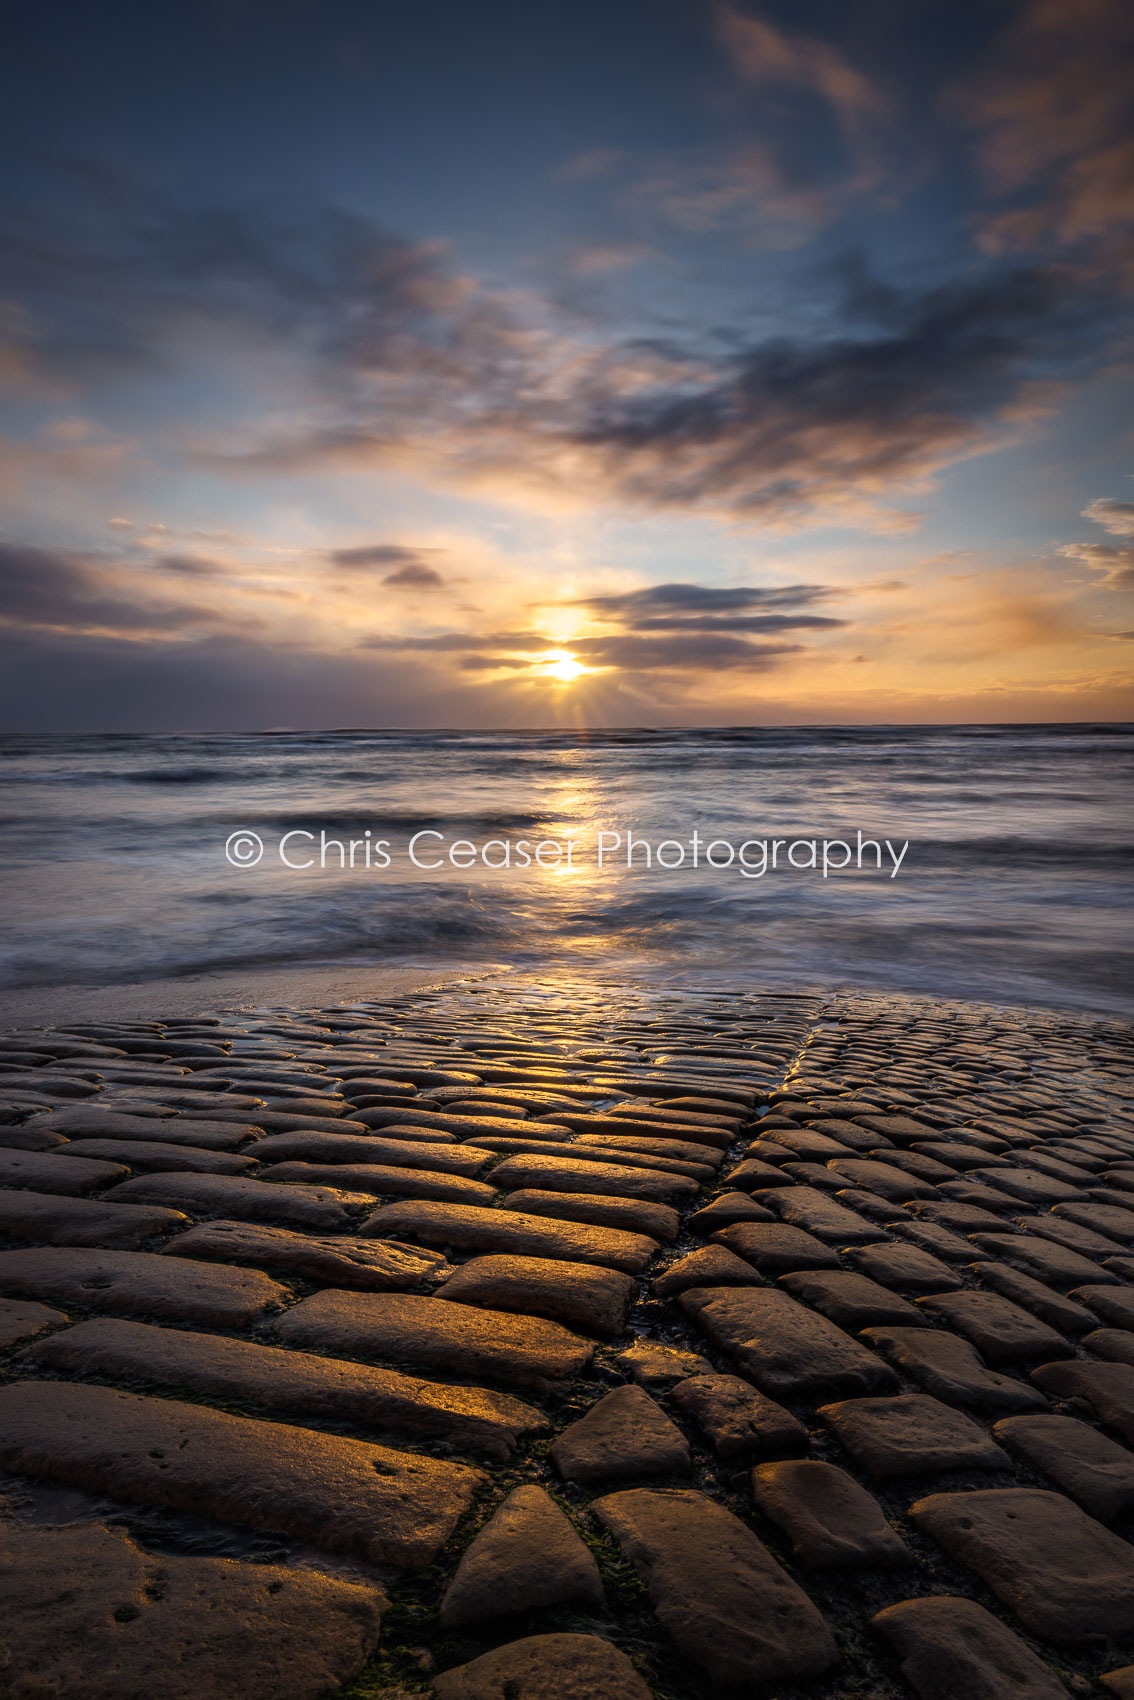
(1014, 885)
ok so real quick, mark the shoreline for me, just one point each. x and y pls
(231, 990)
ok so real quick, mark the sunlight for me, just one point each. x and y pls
(561, 664)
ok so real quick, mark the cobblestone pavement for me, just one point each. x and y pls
(527, 1342)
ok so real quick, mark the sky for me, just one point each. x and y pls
(650, 363)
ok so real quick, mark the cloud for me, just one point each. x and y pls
(691, 651)
(410, 570)
(1114, 562)
(43, 587)
(396, 359)
(787, 431)
(1052, 114)
(1115, 517)
(531, 642)
(190, 566)
(417, 576)
(768, 57)
(697, 599)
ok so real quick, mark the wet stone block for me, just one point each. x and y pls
(372, 1266)
(1000, 1330)
(906, 1268)
(458, 1338)
(787, 1351)
(831, 1521)
(1096, 1471)
(545, 1667)
(526, 1557)
(739, 1421)
(716, 1589)
(83, 1221)
(139, 1283)
(911, 1435)
(469, 1228)
(345, 1496)
(20, 1320)
(951, 1648)
(625, 1436)
(952, 1370)
(239, 1370)
(775, 1248)
(577, 1294)
(89, 1615)
(853, 1301)
(1061, 1573)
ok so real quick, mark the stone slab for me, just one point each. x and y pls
(952, 1647)
(906, 1268)
(853, 1301)
(719, 1593)
(282, 1380)
(141, 1283)
(435, 1334)
(952, 1369)
(445, 1157)
(89, 1615)
(913, 1434)
(154, 1155)
(369, 1266)
(1107, 1388)
(323, 1209)
(1065, 1577)
(788, 1352)
(708, 1266)
(595, 1300)
(807, 1208)
(20, 1319)
(526, 1557)
(831, 1521)
(467, 1227)
(625, 1436)
(1060, 1313)
(379, 1180)
(1092, 1468)
(175, 1130)
(545, 1667)
(737, 1420)
(775, 1249)
(344, 1496)
(56, 1171)
(573, 1174)
(657, 1221)
(1000, 1330)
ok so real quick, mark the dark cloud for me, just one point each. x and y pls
(415, 577)
(696, 599)
(737, 623)
(784, 428)
(393, 350)
(694, 608)
(689, 651)
(409, 568)
(43, 587)
(530, 642)
(190, 566)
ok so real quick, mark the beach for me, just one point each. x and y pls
(507, 1334)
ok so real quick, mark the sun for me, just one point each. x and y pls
(561, 664)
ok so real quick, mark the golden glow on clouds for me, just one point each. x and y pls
(561, 664)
